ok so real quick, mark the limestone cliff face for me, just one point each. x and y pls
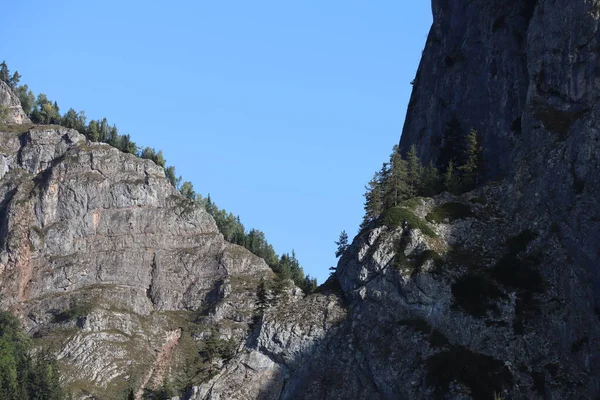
(108, 266)
(495, 292)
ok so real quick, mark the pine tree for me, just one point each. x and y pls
(472, 167)
(430, 185)
(27, 98)
(69, 120)
(395, 183)
(342, 244)
(452, 142)
(81, 122)
(373, 199)
(103, 131)
(414, 171)
(310, 284)
(93, 131)
(262, 296)
(171, 176)
(4, 72)
(14, 80)
(450, 179)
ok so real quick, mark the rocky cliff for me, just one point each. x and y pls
(109, 267)
(10, 107)
(491, 294)
(494, 293)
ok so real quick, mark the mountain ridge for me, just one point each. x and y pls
(501, 301)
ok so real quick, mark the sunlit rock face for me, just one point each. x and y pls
(109, 267)
(503, 301)
(10, 107)
(494, 293)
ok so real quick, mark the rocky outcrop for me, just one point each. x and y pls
(10, 107)
(491, 294)
(495, 293)
(102, 259)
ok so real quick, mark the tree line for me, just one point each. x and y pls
(41, 110)
(24, 375)
(403, 178)
(285, 266)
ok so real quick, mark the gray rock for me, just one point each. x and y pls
(10, 107)
(122, 278)
(98, 245)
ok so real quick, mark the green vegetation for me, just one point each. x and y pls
(24, 376)
(400, 180)
(43, 111)
(482, 374)
(478, 200)
(394, 217)
(77, 309)
(285, 266)
(342, 244)
(449, 211)
(429, 255)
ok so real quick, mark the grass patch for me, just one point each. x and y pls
(484, 375)
(478, 200)
(77, 309)
(412, 203)
(476, 295)
(14, 128)
(450, 212)
(429, 255)
(394, 217)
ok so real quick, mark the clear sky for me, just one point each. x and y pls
(281, 110)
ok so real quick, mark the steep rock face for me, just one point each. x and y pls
(501, 297)
(10, 107)
(492, 293)
(469, 305)
(108, 266)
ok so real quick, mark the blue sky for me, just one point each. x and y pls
(281, 110)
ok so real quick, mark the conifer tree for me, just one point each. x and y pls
(13, 82)
(395, 182)
(472, 167)
(373, 199)
(93, 131)
(342, 244)
(187, 190)
(27, 98)
(414, 171)
(4, 72)
(69, 120)
(430, 185)
(450, 178)
(103, 130)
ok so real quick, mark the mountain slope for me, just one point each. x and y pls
(491, 293)
(503, 298)
(105, 262)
